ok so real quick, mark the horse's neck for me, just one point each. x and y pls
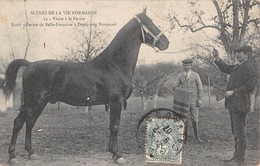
(127, 55)
(124, 48)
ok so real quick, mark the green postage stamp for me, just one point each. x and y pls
(164, 140)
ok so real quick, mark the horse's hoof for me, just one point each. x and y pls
(120, 161)
(13, 161)
(34, 157)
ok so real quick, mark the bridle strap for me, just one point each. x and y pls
(144, 28)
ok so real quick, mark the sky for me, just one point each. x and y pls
(58, 40)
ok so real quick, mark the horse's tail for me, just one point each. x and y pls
(10, 75)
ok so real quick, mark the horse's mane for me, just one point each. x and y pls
(116, 44)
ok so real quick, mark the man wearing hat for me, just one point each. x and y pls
(241, 83)
(190, 80)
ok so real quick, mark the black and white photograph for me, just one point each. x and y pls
(136, 83)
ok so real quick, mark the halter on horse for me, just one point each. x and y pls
(107, 79)
(146, 30)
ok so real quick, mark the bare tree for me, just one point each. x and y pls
(234, 21)
(90, 42)
(142, 83)
(231, 22)
(148, 79)
(158, 85)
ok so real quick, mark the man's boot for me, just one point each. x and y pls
(241, 151)
(235, 153)
(196, 131)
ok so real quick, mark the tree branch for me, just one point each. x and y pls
(192, 29)
(255, 21)
(245, 21)
(27, 32)
(223, 36)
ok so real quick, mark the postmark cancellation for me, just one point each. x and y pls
(164, 140)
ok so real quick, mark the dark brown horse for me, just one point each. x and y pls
(107, 79)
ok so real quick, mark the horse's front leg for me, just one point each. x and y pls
(115, 114)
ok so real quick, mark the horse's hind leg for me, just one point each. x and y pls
(32, 116)
(18, 124)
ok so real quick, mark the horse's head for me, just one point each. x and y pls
(151, 35)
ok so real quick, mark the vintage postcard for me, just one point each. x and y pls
(81, 80)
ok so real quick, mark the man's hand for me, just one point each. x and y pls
(229, 93)
(199, 103)
(215, 54)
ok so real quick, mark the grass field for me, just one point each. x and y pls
(70, 136)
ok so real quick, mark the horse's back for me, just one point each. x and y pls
(64, 81)
(39, 75)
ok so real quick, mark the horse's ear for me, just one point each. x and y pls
(144, 11)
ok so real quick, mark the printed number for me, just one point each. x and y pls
(167, 129)
(163, 150)
(166, 140)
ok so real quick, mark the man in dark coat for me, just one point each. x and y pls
(241, 83)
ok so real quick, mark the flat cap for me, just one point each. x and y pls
(244, 48)
(187, 61)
